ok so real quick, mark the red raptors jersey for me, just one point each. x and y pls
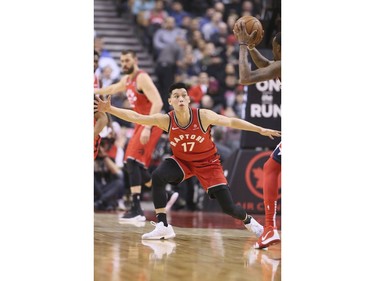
(190, 143)
(138, 101)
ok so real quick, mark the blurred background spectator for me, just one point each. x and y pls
(108, 174)
(105, 59)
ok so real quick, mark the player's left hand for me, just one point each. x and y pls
(101, 105)
(241, 34)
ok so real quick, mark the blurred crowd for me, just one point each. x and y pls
(189, 41)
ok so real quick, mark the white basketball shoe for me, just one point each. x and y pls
(160, 232)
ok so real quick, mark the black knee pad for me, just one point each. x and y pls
(134, 172)
(167, 172)
(211, 191)
(145, 175)
(157, 177)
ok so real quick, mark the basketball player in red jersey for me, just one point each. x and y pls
(272, 168)
(100, 118)
(145, 99)
(194, 154)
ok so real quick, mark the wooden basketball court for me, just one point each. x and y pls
(207, 246)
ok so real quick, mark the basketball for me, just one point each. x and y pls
(251, 24)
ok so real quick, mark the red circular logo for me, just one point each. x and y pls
(254, 174)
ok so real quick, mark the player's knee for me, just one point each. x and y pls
(158, 178)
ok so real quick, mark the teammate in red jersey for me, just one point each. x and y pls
(272, 168)
(145, 99)
(100, 118)
(194, 154)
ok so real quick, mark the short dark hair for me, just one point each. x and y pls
(133, 53)
(278, 38)
(96, 53)
(178, 85)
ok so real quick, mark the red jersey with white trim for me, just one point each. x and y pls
(190, 143)
(138, 100)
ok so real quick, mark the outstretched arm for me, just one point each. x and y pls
(158, 119)
(111, 89)
(209, 117)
